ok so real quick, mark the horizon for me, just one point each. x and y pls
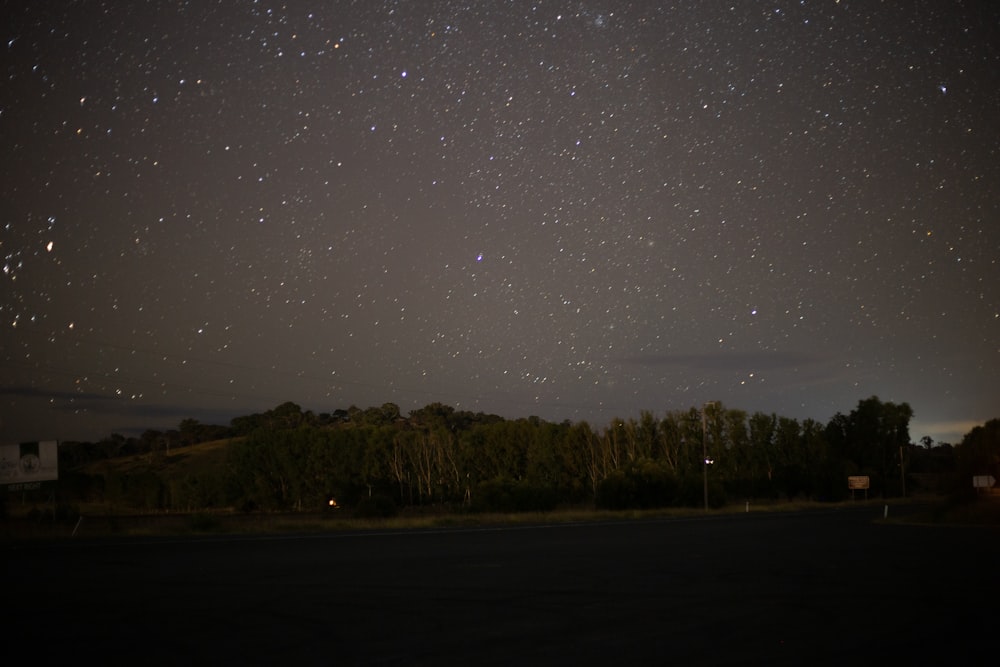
(169, 417)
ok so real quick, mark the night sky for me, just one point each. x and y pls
(576, 210)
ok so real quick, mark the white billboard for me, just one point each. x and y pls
(29, 462)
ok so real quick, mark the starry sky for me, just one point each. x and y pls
(577, 210)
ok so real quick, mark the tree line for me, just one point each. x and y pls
(377, 461)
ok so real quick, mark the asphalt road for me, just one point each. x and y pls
(826, 587)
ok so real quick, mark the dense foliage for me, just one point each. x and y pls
(377, 461)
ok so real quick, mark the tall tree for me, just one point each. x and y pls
(978, 454)
(873, 438)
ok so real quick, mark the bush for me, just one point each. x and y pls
(376, 507)
(198, 491)
(204, 523)
(493, 495)
(692, 492)
(67, 513)
(506, 495)
(642, 485)
(533, 497)
(616, 492)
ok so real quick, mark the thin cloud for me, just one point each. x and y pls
(726, 361)
(24, 391)
(944, 431)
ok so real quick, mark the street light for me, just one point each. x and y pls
(704, 447)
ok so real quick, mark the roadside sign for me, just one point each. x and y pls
(983, 481)
(29, 462)
(858, 482)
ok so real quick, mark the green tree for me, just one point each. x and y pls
(285, 416)
(734, 465)
(190, 431)
(872, 439)
(247, 424)
(977, 454)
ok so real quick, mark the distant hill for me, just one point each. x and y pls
(182, 461)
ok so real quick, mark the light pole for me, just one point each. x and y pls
(902, 469)
(704, 446)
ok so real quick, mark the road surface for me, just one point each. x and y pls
(824, 587)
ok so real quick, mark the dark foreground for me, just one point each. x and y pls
(804, 589)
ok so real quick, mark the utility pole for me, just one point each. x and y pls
(704, 447)
(902, 469)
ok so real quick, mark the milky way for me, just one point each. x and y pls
(575, 210)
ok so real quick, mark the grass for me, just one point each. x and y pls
(983, 512)
(100, 521)
(178, 463)
(103, 521)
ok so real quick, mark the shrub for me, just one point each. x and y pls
(376, 507)
(506, 495)
(692, 492)
(204, 523)
(642, 485)
(616, 492)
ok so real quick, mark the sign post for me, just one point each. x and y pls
(983, 482)
(27, 464)
(855, 482)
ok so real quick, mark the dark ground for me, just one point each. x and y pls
(827, 587)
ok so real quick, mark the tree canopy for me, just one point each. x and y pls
(288, 458)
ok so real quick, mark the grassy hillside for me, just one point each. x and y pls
(188, 478)
(200, 458)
